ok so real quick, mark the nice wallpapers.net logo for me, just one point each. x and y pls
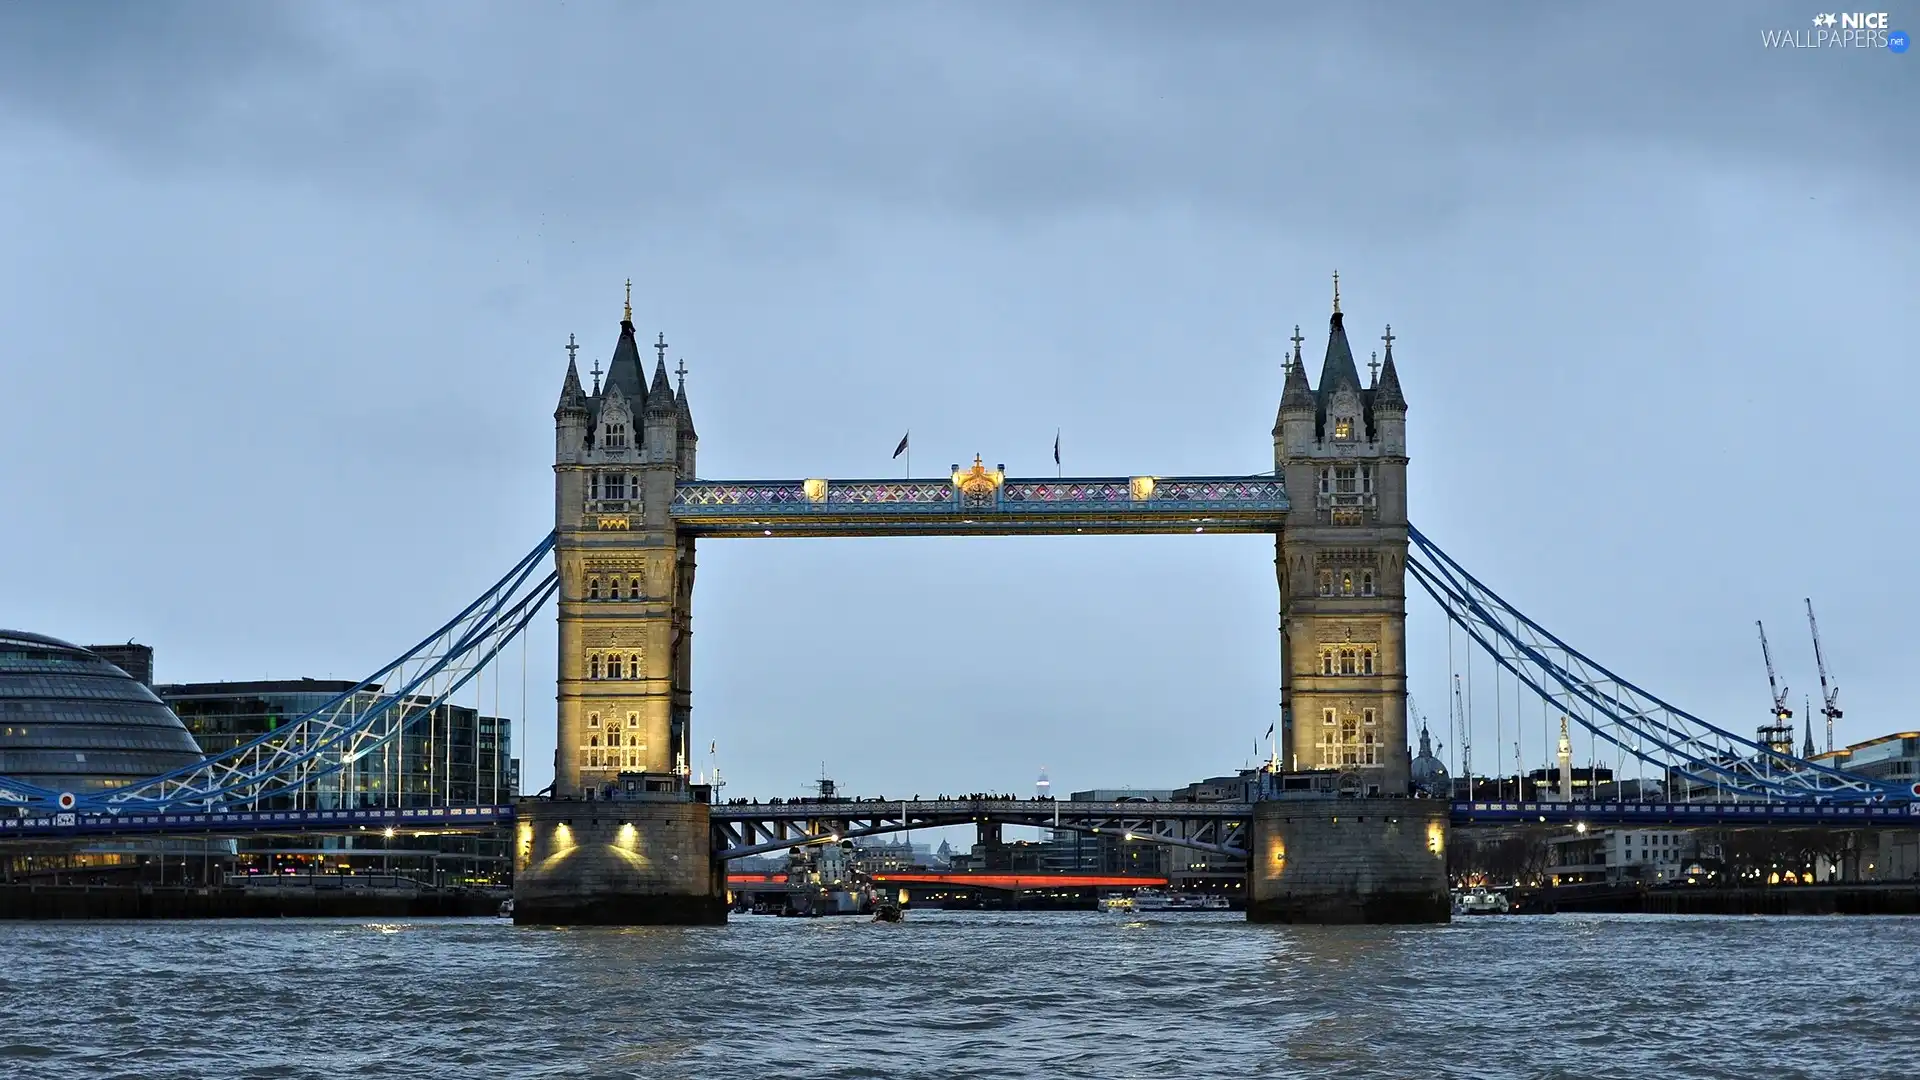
(1840, 30)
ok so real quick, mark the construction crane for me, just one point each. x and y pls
(1465, 736)
(1829, 695)
(1779, 733)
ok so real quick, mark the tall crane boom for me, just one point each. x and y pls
(1780, 710)
(1466, 737)
(1829, 694)
(1777, 732)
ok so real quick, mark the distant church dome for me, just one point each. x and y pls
(74, 722)
(1428, 773)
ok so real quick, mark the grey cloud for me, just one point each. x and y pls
(999, 111)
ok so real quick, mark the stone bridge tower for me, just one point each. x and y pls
(626, 577)
(1342, 448)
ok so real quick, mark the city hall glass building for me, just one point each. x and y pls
(71, 721)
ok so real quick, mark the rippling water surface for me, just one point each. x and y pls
(963, 995)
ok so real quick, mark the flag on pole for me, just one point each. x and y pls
(1056, 446)
(1270, 728)
(902, 448)
(713, 748)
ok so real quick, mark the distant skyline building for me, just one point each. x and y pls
(136, 660)
(455, 757)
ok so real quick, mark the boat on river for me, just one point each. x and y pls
(1480, 901)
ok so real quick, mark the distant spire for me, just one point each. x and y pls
(1336, 292)
(628, 317)
(1807, 712)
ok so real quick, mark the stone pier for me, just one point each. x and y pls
(643, 859)
(1349, 861)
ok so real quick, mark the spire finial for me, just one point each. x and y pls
(596, 376)
(1388, 338)
(1373, 368)
(682, 372)
(1336, 292)
(629, 317)
(660, 346)
(571, 348)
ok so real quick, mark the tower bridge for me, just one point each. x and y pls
(624, 836)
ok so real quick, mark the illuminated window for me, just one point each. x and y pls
(1326, 583)
(1346, 583)
(593, 588)
(1343, 428)
(1366, 583)
(614, 437)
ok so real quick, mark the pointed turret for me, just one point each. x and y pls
(660, 393)
(572, 398)
(1386, 388)
(1808, 751)
(572, 417)
(682, 410)
(1337, 370)
(683, 417)
(1297, 394)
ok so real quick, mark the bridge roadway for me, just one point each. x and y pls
(1683, 815)
(744, 829)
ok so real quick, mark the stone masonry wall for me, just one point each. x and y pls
(1349, 861)
(622, 862)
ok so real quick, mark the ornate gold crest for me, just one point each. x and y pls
(978, 483)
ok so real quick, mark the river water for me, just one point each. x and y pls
(952, 994)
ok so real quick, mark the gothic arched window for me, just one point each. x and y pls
(593, 588)
(593, 666)
(633, 588)
(1366, 583)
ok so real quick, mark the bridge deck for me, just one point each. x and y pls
(980, 503)
(1899, 815)
(233, 822)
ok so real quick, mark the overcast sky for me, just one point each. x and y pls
(284, 290)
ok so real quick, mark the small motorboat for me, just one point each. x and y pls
(506, 908)
(888, 913)
(1480, 901)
